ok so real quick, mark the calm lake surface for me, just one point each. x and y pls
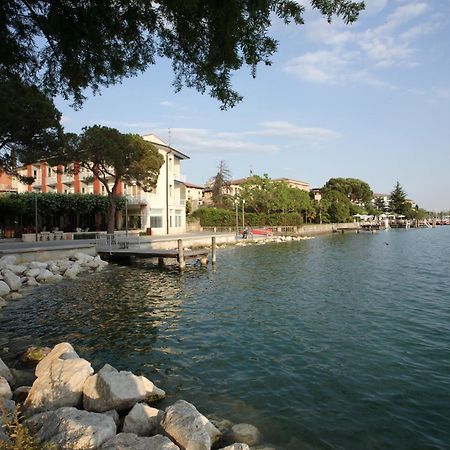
(341, 342)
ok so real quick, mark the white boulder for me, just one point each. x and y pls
(12, 280)
(71, 428)
(7, 260)
(32, 272)
(3, 302)
(73, 271)
(16, 269)
(63, 350)
(4, 288)
(61, 385)
(188, 428)
(5, 389)
(246, 433)
(82, 257)
(129, 441)
(44, 275)
(142, 420)
(32, 282)
(37, 265)
(111, 389)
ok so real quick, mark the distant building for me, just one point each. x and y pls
(194, 194)
(163, 209)
(316, 194)
(7, 183)
(302, 185)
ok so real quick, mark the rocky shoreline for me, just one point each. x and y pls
(68, 405)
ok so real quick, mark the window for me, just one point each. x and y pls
(156, 218)
(49, 172)
(35, 173)
(83, 190)
(178, 218)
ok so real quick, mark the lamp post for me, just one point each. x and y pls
(236, 203)
(36, 216)
(243, 213)
(126, 216)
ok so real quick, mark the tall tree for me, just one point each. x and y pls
(398, 203)
(356, 190)
(113, 157)
(219, 185)
(67, 46)
(30, 127)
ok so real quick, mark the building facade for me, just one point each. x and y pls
(163, 210)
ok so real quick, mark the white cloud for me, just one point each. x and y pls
(391, 44)
(167, 104)
(201, 140)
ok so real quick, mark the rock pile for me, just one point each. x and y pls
(16, 277)
(70, 406)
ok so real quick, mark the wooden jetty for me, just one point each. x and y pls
(120, 248)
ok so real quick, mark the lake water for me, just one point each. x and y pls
(341, 342)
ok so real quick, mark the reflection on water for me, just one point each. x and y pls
(339, 342)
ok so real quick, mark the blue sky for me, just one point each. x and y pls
(369, 101)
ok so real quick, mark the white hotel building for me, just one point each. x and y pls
(163, 209)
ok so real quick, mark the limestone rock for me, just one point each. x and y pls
(4, 289)
(188, 428)
(71, 428)
(54, 268)
(16, 269)
(60, 350)
(142, 420)
(14, 296)
(33, 355)
(246, 433)
(3, 302)
(5, 390)
(55, 278)
(129, 441)
(12, 280)
(62, 386)
(111, 389)
(37, 265)
(114, 414)
(237, 446)
(23, 377)
(5, 372)
(44, 275)
(82, 257)
(32, 282)
(7, 260)
(32, 272)
(21, 393)
(73, 271)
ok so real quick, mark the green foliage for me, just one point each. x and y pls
(216, 217)
(219, 185)
(29, 125)
(336, 207)
(14, 205)
(398, 203)
(264, 196)
(356, 190)
(20, 436)
(65, 47)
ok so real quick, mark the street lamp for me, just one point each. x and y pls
(36, 216)
(126, 216)
(243, 213)
(236, 203)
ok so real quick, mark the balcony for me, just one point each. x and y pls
(137, 199)
(51, 181)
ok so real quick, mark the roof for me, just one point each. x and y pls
(150, 137)
(287, 180)
(194, 186)
(241, 180)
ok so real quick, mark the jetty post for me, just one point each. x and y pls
(181, 260)
(213, 250)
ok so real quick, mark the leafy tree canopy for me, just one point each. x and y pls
(356, 190)
(262, 195)
(29, 127)
(64, 47)
(114, 157)
(335, 207)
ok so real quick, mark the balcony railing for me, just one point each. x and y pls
(136, 199)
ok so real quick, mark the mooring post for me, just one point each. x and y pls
(213, 250)
(181, 261)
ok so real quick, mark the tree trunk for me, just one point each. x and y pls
(111, 214)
